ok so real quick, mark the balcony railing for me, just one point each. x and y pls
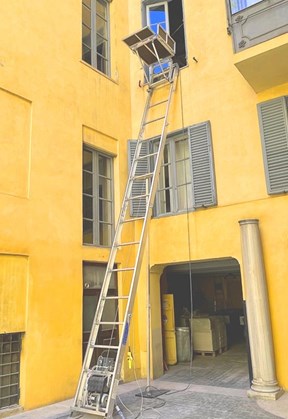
(257, 23)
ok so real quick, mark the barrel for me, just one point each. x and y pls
(183, 344)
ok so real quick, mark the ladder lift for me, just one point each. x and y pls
(97, 388)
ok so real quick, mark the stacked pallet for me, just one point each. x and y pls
(209, 335)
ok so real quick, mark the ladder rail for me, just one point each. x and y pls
(143, 237)
(112, 258)
(111, 262)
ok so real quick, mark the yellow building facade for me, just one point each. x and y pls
(71, 98)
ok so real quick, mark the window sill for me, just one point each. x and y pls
(95, 246)
(11, 410)
(99, 72)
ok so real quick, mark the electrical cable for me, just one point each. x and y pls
(163, 402)
(188, 232)
(177, 391)
(124, 405)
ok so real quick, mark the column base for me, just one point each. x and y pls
(268, 395)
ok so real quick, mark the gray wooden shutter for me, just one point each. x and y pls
(202, 165)
(274, 134)
(138, 206)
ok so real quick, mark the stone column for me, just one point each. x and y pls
(264, 384)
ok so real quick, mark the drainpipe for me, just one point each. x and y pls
(264, 383)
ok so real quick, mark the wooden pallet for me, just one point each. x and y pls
(211, 353)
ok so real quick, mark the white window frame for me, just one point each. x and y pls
(94, 36)
(95, 220)
(150, 6)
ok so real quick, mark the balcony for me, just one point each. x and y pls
(265, 65)
(261, 43)
(258, 23)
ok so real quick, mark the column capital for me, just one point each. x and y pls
(249, 221)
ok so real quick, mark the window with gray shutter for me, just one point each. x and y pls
(187, 178)
(138, 206)
(273, 121)
(202, 166)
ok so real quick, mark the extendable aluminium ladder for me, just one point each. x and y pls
(96, 392)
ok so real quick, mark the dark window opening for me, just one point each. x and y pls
(170, 16)
(176, 25)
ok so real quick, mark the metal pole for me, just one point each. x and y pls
(148, 306)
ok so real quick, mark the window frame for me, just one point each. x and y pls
(96, 198)
(174, 184)
(146, 4)
(11, 339)
(94, 34)
(160, 3)
(200, 158)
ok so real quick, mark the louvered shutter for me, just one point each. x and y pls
(274, 134)
(138, 206)
(202, 165)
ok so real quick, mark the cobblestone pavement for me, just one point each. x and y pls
(212, 388)
(180, 402)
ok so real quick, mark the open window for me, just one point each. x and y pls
(169, 15)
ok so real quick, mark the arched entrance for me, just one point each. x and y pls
(207, 298)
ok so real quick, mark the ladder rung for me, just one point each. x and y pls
(122, 269)
(154, 120)
(143, 177)
(146, 156)
(116, 297)
(87, 410)
(158, 103)
(126, 244)
(112, 323)
(137, 197)
(104, 346)
(130, 220)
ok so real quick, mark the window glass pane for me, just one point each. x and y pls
(86, 54)
(104, 166)
(87, 3)
(237, 5)
(87, 183)
(87, 160)
(101, 26)
(110, 313)
(93, 276)
(86, 16)
(157, 16)
(105, 231)
(102, 46)
(90, 304)
(164, 201)
(101, 8)
(181, 149)
(87, 207)
(105, 210)
(86, 36)
(87, 232)
(102, 64)
(104, 188)
(184, 194)
(183, 172)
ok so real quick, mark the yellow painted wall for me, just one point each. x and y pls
(51, 102)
